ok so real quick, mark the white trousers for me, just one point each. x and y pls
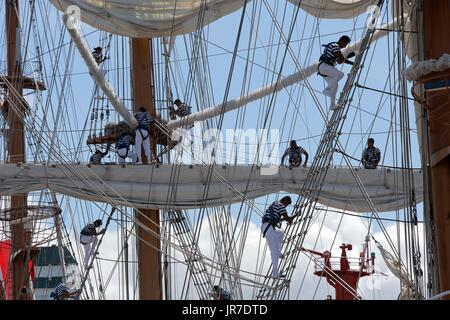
(89, 243)
(123, 153)
(274, 238)
(143, 142)
(333, 76)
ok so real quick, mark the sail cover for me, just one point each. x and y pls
(186, 187)
(151, 18)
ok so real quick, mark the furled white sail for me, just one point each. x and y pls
(186, 187)
(334, 9)
(150, 18)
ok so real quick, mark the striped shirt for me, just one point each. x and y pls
(371, 157)
(295, 156)
(125, 141)
(89, 230)
(330, 53)
(96, 158)
(273, 213)
(182, 110)
(97, 56)
(224, 294)
(144, 119)
(58, 293)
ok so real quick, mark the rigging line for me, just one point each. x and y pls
(384, 92)
(365, 217)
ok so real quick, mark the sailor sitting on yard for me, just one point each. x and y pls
(295, 155)
(62, 292)
(331, 55)
(88, 238)
(97, 157)
(123, 145)
(144, 120)
(275, 214)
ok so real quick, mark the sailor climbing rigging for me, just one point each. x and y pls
(295, 155)
(221, 293)
(331, 55)
(123, 145)
(179, 109)
(271, 220)
(62, 292)
(371, 155)
(144, 120)
(88, 238)
(98, 55)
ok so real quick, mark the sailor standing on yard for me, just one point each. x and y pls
(371, 155)
(331, 55)
(275, 214)
(88, 238)
(295, 155)
(144, 120)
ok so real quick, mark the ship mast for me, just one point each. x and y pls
(149, 261)
(436, 42)
(20, 238)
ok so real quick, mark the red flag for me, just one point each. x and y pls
(5, 253)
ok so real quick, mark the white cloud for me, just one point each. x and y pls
(304, 285)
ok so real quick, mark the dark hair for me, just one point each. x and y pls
(142, 109)
(177, 101)
(216, 288)
(98, 221)
(98, 151)
(286, 199)
(371, 140)
(345, 38)
(98, 48)
(293, 141)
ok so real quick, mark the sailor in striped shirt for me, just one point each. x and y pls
(295, 155)
(88, 238)
(123, 145)
(62, 292)
(144, 120)
(98, 55)
(180, 110)
(271, 220)
(371, 156)
(97, 157)
(221, 293)
(331, 55)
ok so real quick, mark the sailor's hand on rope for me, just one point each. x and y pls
(290, 219)
(350, 55)
(102, 231)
